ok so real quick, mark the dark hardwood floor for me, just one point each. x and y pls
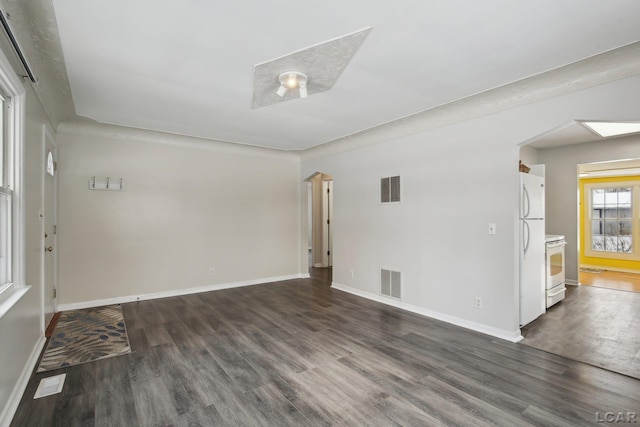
(301, 353)
(322, 274)
(594, 325)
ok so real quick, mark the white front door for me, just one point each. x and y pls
(50, 180)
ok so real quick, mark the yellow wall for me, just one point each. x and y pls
(606, 263)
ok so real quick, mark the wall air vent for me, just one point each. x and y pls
(391, 283)
(390, 189)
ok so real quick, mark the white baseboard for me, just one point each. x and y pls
(173, 293)
(12, 405)
(571, 282)
(305, 276)
(513, 336)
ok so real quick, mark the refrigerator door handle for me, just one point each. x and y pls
(526, 202)
(525, 237)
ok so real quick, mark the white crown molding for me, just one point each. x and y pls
(606, 67)
(90, 128)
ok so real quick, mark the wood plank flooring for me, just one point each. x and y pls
(303, 354)
(593, 325)
(611, 279)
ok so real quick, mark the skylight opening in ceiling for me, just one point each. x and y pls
(609, 129)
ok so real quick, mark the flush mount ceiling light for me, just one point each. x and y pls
(607, 129)
(292, 80)
(322, 65)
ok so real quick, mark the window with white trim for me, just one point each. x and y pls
(611, 220)
(12, 95)
(6, 199)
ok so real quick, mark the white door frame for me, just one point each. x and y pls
(320, 208)
(47, 138)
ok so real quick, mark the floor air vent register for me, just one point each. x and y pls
(50, 385)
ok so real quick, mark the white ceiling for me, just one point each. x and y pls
(186, 67)
(568, 134)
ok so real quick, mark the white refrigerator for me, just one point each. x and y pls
(532, 248)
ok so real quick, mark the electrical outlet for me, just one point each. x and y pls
(492, 228)
(478, 302)
(350, 274)
(212, 271)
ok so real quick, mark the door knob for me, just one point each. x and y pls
(49, 249)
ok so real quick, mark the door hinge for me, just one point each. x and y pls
(55, 229)
(328, 252)
(328, 221)
(55, 293)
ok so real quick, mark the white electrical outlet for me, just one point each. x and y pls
(478, 302)
(350, 274)
(492, 228)
(212, 271)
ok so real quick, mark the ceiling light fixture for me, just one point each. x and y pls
(292, 80)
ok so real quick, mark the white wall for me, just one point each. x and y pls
(455, 180)
(188, 205)
(529, 155)
(562, 185)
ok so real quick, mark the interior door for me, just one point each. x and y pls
(327, 226)
(50, 187)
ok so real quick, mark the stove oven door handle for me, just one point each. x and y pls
(555, 245)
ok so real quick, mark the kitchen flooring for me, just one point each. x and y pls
(595, 325)
(611, 280)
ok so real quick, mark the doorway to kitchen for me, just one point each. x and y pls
(594, 204)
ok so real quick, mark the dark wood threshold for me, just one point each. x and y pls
(52, 324)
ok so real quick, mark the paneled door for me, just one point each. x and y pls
(50, 187)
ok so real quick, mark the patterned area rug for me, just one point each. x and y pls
(86, 335)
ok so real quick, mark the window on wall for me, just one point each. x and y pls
(51, 168)
(6, 201)
(12, 93)
(611, 220)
